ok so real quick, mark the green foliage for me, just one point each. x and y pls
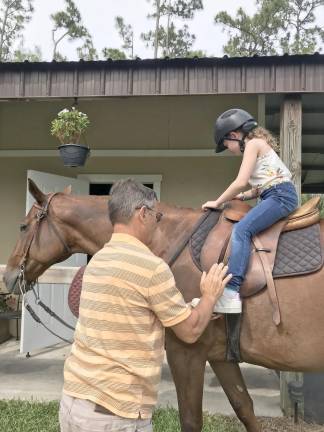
(22, 53)
(184, 9)
(3, 304)
(69, 125)
(173, 41)
(126, 33)
(68, 23)
(113, 54)
(14, 14)
(87, 51)
(302, 35)
(277, 27)
(196, 53)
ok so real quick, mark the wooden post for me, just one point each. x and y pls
(291, 153)
(261, 110)
(291, 137)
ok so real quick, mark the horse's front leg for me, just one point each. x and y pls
(232, 381)
(187, 364)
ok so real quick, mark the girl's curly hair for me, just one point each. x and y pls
(260, 132)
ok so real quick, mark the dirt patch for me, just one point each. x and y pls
(284, 424)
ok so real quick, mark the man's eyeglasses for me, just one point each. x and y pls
(158, 215)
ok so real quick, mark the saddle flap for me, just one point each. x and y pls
(236, 210)
(255, 278)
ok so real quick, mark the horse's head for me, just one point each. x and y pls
(41, 242)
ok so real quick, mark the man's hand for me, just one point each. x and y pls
(213, 283)
(211, 286)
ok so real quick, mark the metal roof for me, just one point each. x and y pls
(240, 75)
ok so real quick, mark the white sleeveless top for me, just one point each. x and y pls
(268, 171)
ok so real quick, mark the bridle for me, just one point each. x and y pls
(41, 214)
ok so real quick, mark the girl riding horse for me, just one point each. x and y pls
(270, 181)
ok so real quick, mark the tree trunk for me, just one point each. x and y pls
(3, 31)
(168, 30)
(157, 26)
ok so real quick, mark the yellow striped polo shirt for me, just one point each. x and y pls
(128, 297)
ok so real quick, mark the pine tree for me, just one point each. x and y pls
(113, 54)
(14, 14)
(174, 42)
(277, 27)
(21, 53)
(126, 33)
(68, 23)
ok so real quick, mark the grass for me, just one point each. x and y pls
(26, 416)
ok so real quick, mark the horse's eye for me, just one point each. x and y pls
(23, 227)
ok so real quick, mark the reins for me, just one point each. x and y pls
(187, 238)
(41, 214)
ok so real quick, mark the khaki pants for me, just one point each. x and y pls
(77, 415)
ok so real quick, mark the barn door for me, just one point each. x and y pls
(34, 336)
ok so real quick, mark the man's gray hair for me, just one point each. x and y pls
(126, 196)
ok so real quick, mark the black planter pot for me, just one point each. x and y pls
(74, 155)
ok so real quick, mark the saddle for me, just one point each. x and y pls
(290, 247)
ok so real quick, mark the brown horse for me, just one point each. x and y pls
(73, 224)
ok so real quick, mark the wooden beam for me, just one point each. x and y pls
(310, 132)
(291, 137)
(313, 188)
(261, 110)
(312, 167)
(291, 151)
(270, 111)
(313, 150)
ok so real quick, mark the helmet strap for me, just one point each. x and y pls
(240, 141)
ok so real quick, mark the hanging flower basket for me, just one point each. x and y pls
(74, 155)
(68, 127)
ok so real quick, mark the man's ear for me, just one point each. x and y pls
(142, 213)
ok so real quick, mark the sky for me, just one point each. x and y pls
(98, 16)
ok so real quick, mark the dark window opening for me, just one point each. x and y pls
(104, 188)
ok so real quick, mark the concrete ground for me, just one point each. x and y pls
(40, 378)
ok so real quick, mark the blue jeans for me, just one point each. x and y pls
(276, 203)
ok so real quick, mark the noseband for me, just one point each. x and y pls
(41, 214)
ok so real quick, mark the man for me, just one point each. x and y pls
(128, 297)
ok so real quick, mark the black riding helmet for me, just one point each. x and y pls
(230, 121)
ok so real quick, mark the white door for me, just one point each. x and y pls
(33, 335)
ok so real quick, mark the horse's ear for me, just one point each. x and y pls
(67, 190)
(39, 196)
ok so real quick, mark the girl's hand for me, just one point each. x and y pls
(239, 196)
(209, 204)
